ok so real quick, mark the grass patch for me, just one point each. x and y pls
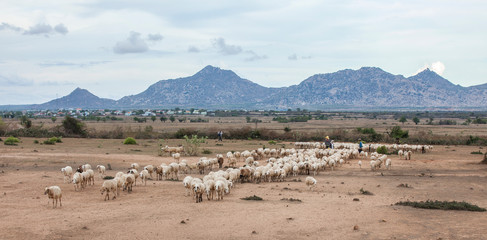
(129, 140)
(11, 141)
(108, 177)
(291, 199)
(443, 205)
(479, 152)
(365, 192)
(174, 180)
(254, 198)
(206, 151)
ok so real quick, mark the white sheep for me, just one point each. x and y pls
(129, 179)
(373, 165)
(109, 186)
(135, 166)
(219, 189)
(360, 163)
(150, 169)
(199, 189)
(176, 156)
(187, 184)
(91, 178)
(144, 175)
(86, 167)
(54, 193)
(135, 173)
(210, 189)
(77, 181)
(311, 182)
(388, 163)
(68, 173)
(101, 170)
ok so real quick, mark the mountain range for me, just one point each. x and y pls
(215, 88)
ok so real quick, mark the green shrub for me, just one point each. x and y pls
(129, 140)
(193, 143)
(56, 139)
(272, 142)
(365, 192)
(49, 142)
(206, 151)
(382, 149)
(254, 198)
(36, 141)
(11, 141)
(443, 205)
(479, 152)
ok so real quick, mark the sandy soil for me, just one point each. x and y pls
(161, 210)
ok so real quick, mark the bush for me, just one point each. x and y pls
(129, 140)
(56, 139)
(382, 149)
(11, 141)
(207, 151)
(49, 142)
(36, 141)
(192, 144)
(272, 142)
(365, 192)
(443, 205)
(479, 152)
(74, 126)
(254, 198)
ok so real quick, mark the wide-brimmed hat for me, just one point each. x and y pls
(327, 137)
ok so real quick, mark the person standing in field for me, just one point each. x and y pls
(327, 142)
(220, 135)
(360, 145)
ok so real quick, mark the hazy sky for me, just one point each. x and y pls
(120, 47)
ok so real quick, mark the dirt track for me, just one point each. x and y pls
(160, 209)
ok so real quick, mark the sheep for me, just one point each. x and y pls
(149, 169)
(174, 170)
(360, 163)
(187, 184)
(77, 181)
(219, 189)
(85, 177)
(54, 193)
(388, 163)
(220, 159)
(176, 156)
(373, 165)
(144, 174)
(310, 182)
(134, 166)
(101, 170)
(68, 173)
(129, 180)
(210, 189)
(86, 167)
(109, 186)
(91, 178)
(407, 155)
(120, 182)
(171, 150)
(135, 173)
(199, 189)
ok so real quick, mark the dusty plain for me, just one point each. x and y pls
(161, 210)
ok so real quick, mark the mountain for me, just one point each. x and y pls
(209, 88)
(362, 89)
(371, 87)
(79, 98)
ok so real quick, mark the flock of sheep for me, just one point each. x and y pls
(260, 165)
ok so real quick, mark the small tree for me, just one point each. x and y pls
(192, 144)
(74, 126)
(163, 119)
(416, 120)
(153, 118)
(403, 120)
(172, 119)
(53, 119)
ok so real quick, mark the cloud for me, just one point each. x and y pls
(71, 64)
(38, 29)
(193, 49)
(60, 28)
(437, 67)
(15, 81)
(133, 44)
(154, 37)
(254, 56)
(223, 48)
(293, 57)
(6, 26)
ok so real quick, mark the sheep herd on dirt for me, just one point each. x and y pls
(260, 165)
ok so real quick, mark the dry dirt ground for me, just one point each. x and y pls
(160, 210)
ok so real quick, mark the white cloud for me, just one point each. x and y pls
(133, 44)
(60, 28)
(437, 67)
(10, 27)
(154, 37)
(225, 49)
(254, 56)
(193, 49)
